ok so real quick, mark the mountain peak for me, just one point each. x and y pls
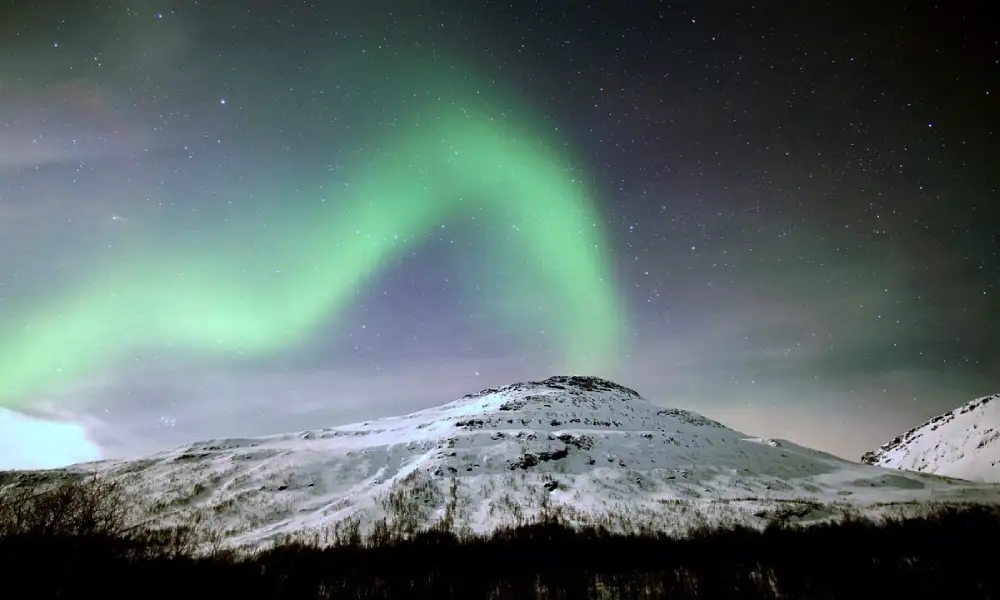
(567, 397)
(964, 442)
(579, 383)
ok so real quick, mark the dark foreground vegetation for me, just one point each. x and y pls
(76, 541)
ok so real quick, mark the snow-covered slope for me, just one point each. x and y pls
(962, 443)
(592, 449)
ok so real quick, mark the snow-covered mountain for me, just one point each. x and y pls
(962, 443)
(587, 447)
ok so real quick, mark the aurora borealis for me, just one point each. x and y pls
(229, 219)
(213, 301)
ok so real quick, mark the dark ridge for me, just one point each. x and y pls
(38, 478)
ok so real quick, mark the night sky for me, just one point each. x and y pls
(233, 218)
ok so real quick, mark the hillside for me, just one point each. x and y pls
(962, 443)
(587, 447)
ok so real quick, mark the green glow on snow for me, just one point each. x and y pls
(213, 298)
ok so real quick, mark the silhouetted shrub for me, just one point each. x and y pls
(80, 538)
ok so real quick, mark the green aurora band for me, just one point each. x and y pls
(214, 300)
